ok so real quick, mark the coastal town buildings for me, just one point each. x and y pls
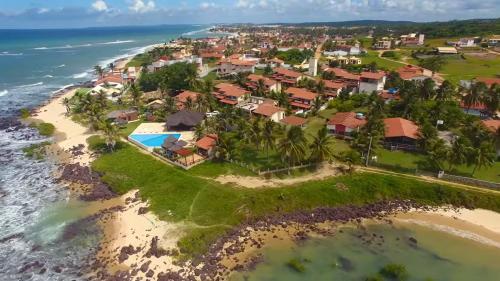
(287, 77)
(300, 98)
(269, 84)
(372, 81)
(344, 124)
(230, 94)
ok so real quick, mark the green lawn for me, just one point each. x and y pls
(408, 162)
(457, 69)
(372, 56)
(129, 128)
(210, 208)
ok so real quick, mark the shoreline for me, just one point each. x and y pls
(136, 243)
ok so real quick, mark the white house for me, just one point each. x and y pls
(372, 81)
(233, 66)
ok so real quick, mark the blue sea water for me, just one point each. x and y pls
(152, 140)
(34, 207)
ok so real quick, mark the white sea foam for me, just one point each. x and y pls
(10, 54)
(80, 75)
(48, 76)
(3, 93)
(117, 42)
(59, 66)
(63, 47)
(197, 31)
(30, 85)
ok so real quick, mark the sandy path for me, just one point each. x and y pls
(70, 133)
(324, 172)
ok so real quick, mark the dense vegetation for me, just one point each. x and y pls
(295, 56)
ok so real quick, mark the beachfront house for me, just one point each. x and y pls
(400, 133)
(206, 145)
(125, 115)
(344, 124)
(372, 81)
(184, 120)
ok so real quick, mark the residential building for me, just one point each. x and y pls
(372, 81)
(493, 126)
(342, 60)
(313, 67)
(494, 41)
(270, 109)
(414, 73)
(234, 66)
(230, 94)
(466, 42)
(125, 115)
(342, 75)
(165, 61)
(383, 44)
(345, 123)
(269, 84)
(206, 145)
(390, 95)
(489, 81)
(400, 133)
(412, 39)
(333, 89)
(184, 120)
(300, 98)
(287, 77)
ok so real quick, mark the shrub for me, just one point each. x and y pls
(296, 265)
(374, 278)
(395, 271)
(36, 150)
(389, 54)
(44, 129)
(25, 113)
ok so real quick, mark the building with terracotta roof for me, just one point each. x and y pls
(333, 89)
(286, 76)
(230, 94)
(184, 96)
(269, 84)
(489, 81)
(342, 75)
(270, 110)
(414, 73)
(345, 123)
(371, 81)
(206, 145)
(301, 98)
(234, 66)
(400, 133)
(293, 120)
(390, 95)
(493, 126)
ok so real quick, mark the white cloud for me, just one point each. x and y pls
(207, 5)
(43, 11)
(100, 6)
(141, 6)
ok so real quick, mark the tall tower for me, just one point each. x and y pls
(313, 66)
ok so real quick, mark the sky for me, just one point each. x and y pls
(85, 13)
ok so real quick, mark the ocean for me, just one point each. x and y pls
(34, 208)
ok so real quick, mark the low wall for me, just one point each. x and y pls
(470, 181)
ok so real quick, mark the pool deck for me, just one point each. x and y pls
(159, 128)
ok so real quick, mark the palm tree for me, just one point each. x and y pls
(474, 94)
(260, 90)
(492, 99)
(460, 150)
(67, 104)
(316, 105)
(241, 78)
(101, 98)
(189, 103)
(94, 116)
(99, 71)
(199, 131)
(169, 104)
(268, 136)
(484, 156)
(446, 91)
(320, 88)
(135, 94)
(321, 146)
(111, 66)
(110, 132)
(292, 146)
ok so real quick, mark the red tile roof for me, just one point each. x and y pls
(399, 127)
(343, 74)
(183, 96)
(238, 62)
(491, 125)
(293, 120)
(301, 93)
(226, 101)
(268, 81)
(110, 79)
(267, 109)
(287, 72)
(227, 89)
(184, 152)
(408, 72)
(207, 142)
(489, 81)
(334, 85)
(372, 75)
(211, 55)
(347, 119)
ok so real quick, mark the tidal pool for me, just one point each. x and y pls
(355, 254)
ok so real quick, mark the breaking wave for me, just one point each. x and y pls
(3, 93)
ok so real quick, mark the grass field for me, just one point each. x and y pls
(210, 208)
(372, 56)
(471, 67)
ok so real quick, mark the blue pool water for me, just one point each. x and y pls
(152, 140)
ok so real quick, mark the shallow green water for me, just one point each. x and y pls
(436, 256)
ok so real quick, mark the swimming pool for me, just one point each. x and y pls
(152, 140)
